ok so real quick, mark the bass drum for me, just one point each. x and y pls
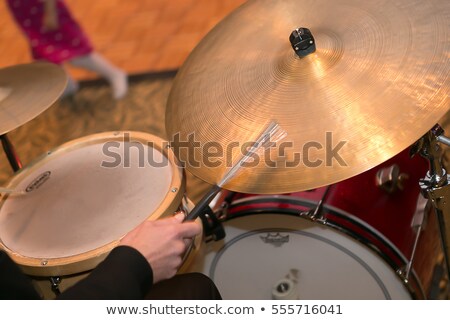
(273, 249)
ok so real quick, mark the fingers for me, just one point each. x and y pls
(184, 229)
(163, 242)
(188, 242)
(189, 229)
(179, 216)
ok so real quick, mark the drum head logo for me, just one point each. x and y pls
(275, 239)
(39, 181)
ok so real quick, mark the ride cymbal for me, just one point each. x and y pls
(27, 90)
(377, 81)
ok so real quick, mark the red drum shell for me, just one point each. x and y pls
(361, 209)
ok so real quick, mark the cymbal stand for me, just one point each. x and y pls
(436, 184)
(11, 154)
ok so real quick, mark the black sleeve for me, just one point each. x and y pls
(124, 274)
(14, 285)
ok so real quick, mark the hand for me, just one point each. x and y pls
(163, 243)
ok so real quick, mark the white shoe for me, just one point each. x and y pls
(119, 84)
(116, 77)
(72, 87)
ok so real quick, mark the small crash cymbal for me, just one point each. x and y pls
(27, 90)
(376, 82)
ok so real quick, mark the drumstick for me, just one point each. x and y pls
(6, 190)
(272, 133)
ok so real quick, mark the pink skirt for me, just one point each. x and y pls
(66, 42)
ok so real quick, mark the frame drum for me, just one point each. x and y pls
(80, 199)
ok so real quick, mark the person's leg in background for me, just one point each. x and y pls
(72, 86)
(98, 64)
(55, 36)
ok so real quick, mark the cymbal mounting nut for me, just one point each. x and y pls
(302, 41)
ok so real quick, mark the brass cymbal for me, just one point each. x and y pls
(378, 80)
(26, 90)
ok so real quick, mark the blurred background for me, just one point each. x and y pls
(139, 36)
(148, 40)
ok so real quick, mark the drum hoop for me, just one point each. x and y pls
(303, 233)
(413, 286)
(88, 260)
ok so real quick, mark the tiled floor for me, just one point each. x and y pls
(139, 35)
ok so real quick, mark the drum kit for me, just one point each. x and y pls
(351, 203)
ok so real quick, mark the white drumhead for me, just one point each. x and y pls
(261, 251)
(74, 204)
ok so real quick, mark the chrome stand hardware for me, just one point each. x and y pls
(419, 224)
(435, 186)
(55, 282)
(11, 154)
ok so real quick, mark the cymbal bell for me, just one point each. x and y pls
(376, 82)
(26, 90)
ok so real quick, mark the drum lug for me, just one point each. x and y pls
(316, 214)
(313, 216)
(55, 282)
(402, 273)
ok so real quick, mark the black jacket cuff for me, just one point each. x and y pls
(124, 274)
